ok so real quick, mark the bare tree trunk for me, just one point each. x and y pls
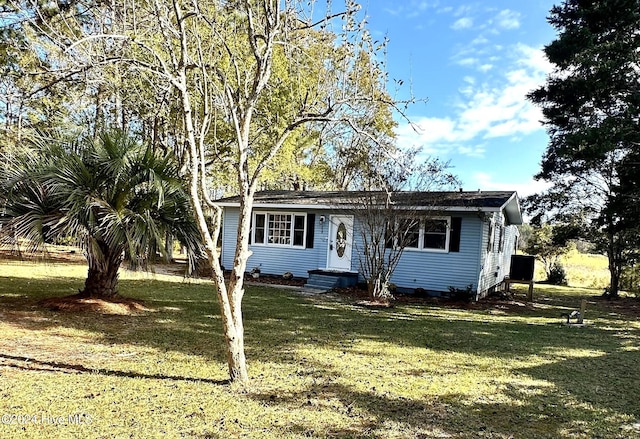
(229, 298)
(102, 278)
(615, 270)
(378, 286)
(235, 344)
(99, 114)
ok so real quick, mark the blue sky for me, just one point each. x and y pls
(474, 62)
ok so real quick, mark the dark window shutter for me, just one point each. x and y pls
(251, 228)
(454, 234)
(311, 229)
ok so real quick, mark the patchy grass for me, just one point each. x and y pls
(320, 366)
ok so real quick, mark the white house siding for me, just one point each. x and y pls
(273, 259)
(437, 271)
(496, 259)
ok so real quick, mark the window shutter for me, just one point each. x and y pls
(454, 234)
(311, 229)
(388, 236)
(251, 229)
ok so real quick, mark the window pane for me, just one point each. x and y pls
(435, 226)
(298, 230)
(434, 240)
(435, 234)
(259, 229)
(490, 240)
(280, 229)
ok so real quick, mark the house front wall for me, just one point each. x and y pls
(278, 260)
(434, 271)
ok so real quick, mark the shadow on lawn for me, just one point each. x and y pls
(31, 364)
(182, 312)
(185, 319)
(546, 414)
(608, 380)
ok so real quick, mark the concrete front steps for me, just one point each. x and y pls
(326, 280)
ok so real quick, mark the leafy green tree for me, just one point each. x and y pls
(524, 233)
(113, 196)
(547, 246)
(591, 105)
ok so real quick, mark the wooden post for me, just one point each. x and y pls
(583, 307)
(530, 292)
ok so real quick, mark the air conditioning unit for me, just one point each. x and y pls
(522, 267)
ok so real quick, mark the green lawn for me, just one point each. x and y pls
(320, 367)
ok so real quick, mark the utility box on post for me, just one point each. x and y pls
(521, 271)
(522, 267)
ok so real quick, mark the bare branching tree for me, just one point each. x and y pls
(396, 209)
(245, 76)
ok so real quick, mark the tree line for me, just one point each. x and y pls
(591, 108)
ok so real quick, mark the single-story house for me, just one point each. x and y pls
(311, 233)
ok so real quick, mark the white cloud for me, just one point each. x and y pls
(462, 23)
(472, 151)
(427, 131)
(468, 61)
(508, 19)
(533, 58)
(494, 108)
(411, 9)
(463, 10)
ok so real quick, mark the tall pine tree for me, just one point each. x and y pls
(591, 106)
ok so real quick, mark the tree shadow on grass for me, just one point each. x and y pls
(31, 364)
(609, 380)
(515, 409)
(374, 414)
(278, 323)
(185, 318)
(181, 317)
(470, 332)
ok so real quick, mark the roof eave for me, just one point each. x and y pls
(512, 211)
(301, 206)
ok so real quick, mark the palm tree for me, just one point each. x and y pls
(113, 195)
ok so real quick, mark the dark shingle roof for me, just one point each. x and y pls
(476, 199)
(489, 201)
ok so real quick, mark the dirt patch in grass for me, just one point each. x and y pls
(77, 303)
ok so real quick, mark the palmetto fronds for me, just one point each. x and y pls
(114, 196)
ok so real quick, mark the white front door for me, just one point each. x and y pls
(340, 242)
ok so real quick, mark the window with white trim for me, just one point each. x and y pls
(428, 234)
(279, 229)
(436, 234)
